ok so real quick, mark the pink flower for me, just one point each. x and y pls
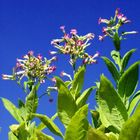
(79, 42)
(7, 77)
(97, 54)
(54, 58)
(101, 20)
(39, 57)
(51, 69)
(53, 80)
(120, 15)
(30, 53)
(90, 36)
(62, 74)
(62, 27)
(104, 30)
(73, 31)
(101, 38)
(55, 41)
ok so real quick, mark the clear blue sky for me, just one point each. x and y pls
(31, 25)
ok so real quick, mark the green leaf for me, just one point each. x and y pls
(134, 102)
(131, 129)
(49, 123)
(13, 110)
(126, 58)
(111, 108)
(95, 118)
(77, 83)
(41, 136)
(112, 68)
(78, 126)
(31, 103)
(128, 81)
(66, 104)
(11, 136)
(83, 97)
(116, 41)
(94, 134)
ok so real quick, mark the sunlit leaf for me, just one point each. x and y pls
(78, 126)
(126, 58)
(77, 83)
(83, 97)
(112, 68)
(31, 103)
(13, 110)
(11, 136)
(131, 128)
(66, 104)
(94, 134)
(42, 136)
(128, 81)
(49, 124)
(111, 108)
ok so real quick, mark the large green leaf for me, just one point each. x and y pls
(111, 108)
(134, 102)
(131, 129)
(66, 104)
(83, 97)
(128, 81)
(77, 83)
(78, 126)
(126, 58)
(94, 134)
(49, 124)
(13, 110)
(31, 103)
(112, 68)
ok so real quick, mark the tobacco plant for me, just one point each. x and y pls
(116, 115)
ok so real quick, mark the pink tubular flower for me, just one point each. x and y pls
(97, 54)
(79, 42)
(30, 53)
(62, 28)
(51, 69)
(73, 31)
(101, 38)
(62, 73)
(55, 41)
(90, 36)
(7, 77)
(101, 20)
(104, 30)
(53, 80)
(39, 57)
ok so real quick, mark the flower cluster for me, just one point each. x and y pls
(35, 68)
(75, 46)
(112, 28)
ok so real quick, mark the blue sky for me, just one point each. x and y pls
(31, 25)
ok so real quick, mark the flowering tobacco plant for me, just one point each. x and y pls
(74, 45)
(117, 113)
(112, 28)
